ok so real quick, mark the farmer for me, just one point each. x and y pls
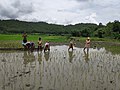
(71, 44)
(87, 44)
(30, 45)
(40, 44)
(24, 37)
(24, 42)
(47, 46)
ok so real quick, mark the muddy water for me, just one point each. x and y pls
(60, 70)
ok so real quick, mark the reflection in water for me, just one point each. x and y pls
(46, 55)
(34, 71)
(86, 56)
(70, 56)
(40, 57)
(28, 57)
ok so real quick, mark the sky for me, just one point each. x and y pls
(62, 12)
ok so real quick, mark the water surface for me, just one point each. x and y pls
(60, 69)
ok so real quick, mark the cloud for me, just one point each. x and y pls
(92, 18)
(15, 9)
(83, 0)
(61, 11)
(5, 12)
(23, 7)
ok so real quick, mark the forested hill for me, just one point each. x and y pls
(15, 26)
(112, 29)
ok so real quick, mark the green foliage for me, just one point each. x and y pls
(100, 33)
(116, 26)
(85, 32)
(113, 29)
(15, 26)
(75, 33)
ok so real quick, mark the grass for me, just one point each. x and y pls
(113, 49)
(33, 37)
(16, 40)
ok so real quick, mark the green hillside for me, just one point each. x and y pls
(15, 26)
(111, 30)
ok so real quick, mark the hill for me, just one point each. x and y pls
(112, 29)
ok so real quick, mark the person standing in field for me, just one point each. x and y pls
(40, 44)
(71, 44)
(24, 37)
(87, 44)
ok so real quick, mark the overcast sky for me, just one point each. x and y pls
(61, 11)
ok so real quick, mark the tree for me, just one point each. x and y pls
(85, 32)
(116, 26)
(100, 33)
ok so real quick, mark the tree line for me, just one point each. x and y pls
(110, 30)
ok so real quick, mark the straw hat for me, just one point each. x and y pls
(88, 38)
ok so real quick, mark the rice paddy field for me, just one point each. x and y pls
(59, 69)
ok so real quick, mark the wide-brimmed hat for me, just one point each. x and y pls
(88, 38)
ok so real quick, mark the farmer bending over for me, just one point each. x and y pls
(47, 46)
(30, 45)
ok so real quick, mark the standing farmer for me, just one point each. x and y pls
(40, 44)
(24, 37)
(71, 44)
(87, 44)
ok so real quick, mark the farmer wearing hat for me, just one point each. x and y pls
(47, 46)
(87, 44)
(71, 44)
(24, 37)
(40, 47)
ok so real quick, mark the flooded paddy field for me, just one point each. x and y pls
(60, 69)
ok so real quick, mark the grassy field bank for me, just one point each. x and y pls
(16, 40)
